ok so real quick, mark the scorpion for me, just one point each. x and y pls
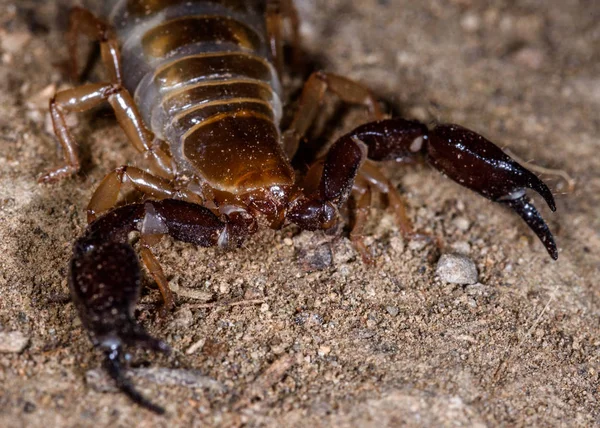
(196, 87)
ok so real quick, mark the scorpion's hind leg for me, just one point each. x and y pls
(370, 172)
(311, 101)
(84, 22)
(277, 11)
(85, 97)
(368, 180)
(362, 196)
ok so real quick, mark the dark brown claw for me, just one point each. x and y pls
(532, 217)
(461, 154)
(105, 285)
(478, 164)
(105, 277)
(113, 366)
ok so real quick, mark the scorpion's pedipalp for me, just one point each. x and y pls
(478, 164)
(390, 139)
(105, 284)
(114, 368)
(534, 220)
(105, 277)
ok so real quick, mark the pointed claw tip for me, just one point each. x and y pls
(534, 220)
(539, 186)
(551, 247)
(549, 198)
(112, 364)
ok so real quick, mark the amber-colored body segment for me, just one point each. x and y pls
(195, 85)
(200, 72)
(167, 38)
(252, 153)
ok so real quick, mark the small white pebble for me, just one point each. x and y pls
(196, 346)
(417, 244)
(462, 223)
(397, 244)
(224, 288)
(457, 269)
(461, 247)
(324, 350)
(13, 342)
(14, 43)
(470, 22)
(392, 310)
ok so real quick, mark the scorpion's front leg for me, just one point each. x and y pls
(86, 97)
(461, 154)
(105, 277)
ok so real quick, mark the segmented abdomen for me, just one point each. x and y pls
(202, 77)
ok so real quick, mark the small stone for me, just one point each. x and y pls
(343, 252)
(196, 346)
(13, 342)
(316, 259)
(14, 43)
(461, 247)
(191, 293)
(470, 22)
(461, 223)
(457, 269)
(397, 244)
(417, 244)
(182, 318)
(288, 242)
(324, 350)
(392, 310)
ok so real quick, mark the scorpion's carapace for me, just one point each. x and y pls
(195, 85)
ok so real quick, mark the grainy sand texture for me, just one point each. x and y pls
(293, 329)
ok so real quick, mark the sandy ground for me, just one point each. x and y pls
(316, 338)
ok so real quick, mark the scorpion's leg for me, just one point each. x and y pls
(105, 198)
(276, 12)
(274, 22)
(89, 96)
(311, 101)
(105, 277)
(379, 181)
(106, 195)
(461, 154)
(361, 193)
(291, 13)
(83, 22)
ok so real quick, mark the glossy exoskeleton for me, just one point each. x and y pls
(195, 86)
